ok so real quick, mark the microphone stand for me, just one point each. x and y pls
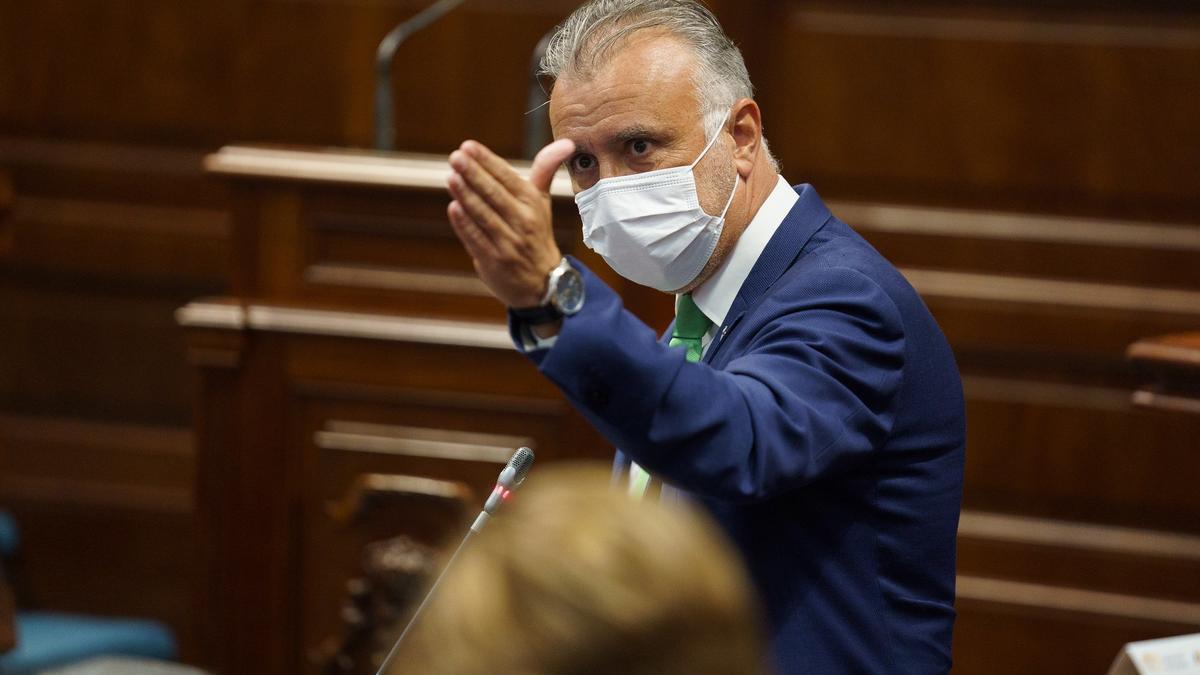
(510, 478)
(421, 608)
(537, 119)
(385, 132)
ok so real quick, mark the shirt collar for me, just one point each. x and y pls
(715, 296)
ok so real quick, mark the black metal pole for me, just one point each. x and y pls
(385, 131)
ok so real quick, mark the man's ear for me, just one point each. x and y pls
(747, 134)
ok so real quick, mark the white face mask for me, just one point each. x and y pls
(650, 227)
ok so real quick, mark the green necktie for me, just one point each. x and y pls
(690, 327)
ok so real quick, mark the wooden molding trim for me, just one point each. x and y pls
(137, 218)
(356, 499)
(1152, 399)
(211, 315)
(347, 166)
(140, 439)
(379, 327)
(1086, 536)
(443, 398)
(269, 318)
(99, 156)
(48, 468)
(970, 224)
(89, 494)
(1179, 350)
(1050, 394)
(1052, 292)
(979, 29)
(1059, 598)
(451, 283)
(419, 442)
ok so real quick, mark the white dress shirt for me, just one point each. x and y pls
(715, 296)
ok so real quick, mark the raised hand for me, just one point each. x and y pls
(504, 220)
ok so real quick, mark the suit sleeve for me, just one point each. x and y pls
(811, 391)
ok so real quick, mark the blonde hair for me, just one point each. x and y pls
(576, 577)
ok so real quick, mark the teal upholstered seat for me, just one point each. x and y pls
(10, 537)
(50, 639)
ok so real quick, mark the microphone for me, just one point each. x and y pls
(510, 478)
(385, 132)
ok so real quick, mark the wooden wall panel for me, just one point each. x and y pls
(125, 71)
(202, 75)
(91, 355)
(1134, 561)
(1046, 629)
(102, 243)
(978, 104)
(1079, 453)
(105, 512)
(264, 70)
(1042, 110)
(1124, 253)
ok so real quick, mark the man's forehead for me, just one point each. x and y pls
(647, 81)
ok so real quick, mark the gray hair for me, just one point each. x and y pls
(579, 44)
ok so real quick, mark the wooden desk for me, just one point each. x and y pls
(357, 340)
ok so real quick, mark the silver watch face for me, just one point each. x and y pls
(568, 292)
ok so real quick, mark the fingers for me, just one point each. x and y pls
(495, 165)
(504, 222)
(502, 199)
(545, 164)
(547, 161)
(481, 213)
(474, 238)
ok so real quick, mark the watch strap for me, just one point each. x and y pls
(547, 311)
(536, 315)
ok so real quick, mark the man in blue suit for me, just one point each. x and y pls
(804, 393)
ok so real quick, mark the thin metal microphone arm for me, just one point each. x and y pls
(385, 132)
(537, 119)
(510, 478)
(421, 608)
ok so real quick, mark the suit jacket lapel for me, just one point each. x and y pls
(808, 215)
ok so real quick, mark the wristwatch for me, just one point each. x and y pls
(564, 296)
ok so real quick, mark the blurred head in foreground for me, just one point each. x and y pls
(573, 576)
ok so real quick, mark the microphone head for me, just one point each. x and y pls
(521, 461)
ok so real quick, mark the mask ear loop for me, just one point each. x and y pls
(737, 178)
(711, 141)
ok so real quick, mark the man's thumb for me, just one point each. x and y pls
(547, 162)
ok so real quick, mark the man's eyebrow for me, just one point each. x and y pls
(625, 135)
(634, 132)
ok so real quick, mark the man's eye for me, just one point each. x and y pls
(584, 162)
(640, 146)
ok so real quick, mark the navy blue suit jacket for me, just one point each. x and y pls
(824, 430)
